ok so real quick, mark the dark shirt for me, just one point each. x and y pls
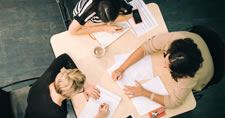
(40, 104)
(85, 10)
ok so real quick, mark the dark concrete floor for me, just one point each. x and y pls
(26, 27)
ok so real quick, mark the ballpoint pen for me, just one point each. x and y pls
(118, 75)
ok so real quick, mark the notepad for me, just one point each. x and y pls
(91, 108)
(148, 20)
(105, 38)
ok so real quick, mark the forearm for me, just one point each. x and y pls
(156, 97)
(88, 29)
(133, 58)
(121, 18)
(59, 62)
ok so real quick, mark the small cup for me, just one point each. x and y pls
(99, 51)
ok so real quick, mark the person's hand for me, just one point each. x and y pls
(117, 74)
(134, 91)
(103, 111)
(91, 91)
(113, 28)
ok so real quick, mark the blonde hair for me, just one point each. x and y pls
(70, 82)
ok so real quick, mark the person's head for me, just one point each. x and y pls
(108, 10)
(69, 82)
(183, 58)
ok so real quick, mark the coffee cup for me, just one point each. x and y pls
(99, 51)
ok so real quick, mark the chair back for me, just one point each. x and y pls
(216, 47)
(5, 105)
(13, 98)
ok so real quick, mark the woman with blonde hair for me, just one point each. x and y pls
(61, 81)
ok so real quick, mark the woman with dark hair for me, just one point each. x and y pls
(98, 15)
(186, 58)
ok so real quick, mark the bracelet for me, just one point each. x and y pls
(152, 96)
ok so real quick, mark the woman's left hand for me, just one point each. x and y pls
(91, 91)
(134, 91)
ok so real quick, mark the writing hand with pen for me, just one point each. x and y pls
(130, 91)
(113, 28)
(117, 74)
(103, 111)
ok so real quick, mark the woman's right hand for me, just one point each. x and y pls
(113, 28)
(103, 111)
(117, 74)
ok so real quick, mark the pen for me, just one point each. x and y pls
(102, 105)
(118, 75)
(118, 29)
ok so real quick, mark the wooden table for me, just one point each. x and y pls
(80, 48)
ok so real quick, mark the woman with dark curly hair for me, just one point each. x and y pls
(186, 57)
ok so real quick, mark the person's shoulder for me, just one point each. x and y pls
(85, 4)
(186, 82)
(187, 34)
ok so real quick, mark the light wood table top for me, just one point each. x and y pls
(81, 47)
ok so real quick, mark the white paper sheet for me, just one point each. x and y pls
(141, 70)
(105, 38)
(91, 108)
(144, 105)
(148, 21)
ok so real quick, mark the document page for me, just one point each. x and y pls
(141, 70)
(148, 20)
(145, 105)
(105, 38)
(91, 108)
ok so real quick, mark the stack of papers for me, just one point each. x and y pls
(148, 21)
(141, 70)
(105, 38)
(91, 108)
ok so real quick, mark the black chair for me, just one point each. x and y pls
(66, 10)
(13, 99)
(216, 47)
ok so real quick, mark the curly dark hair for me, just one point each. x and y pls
(185, 58)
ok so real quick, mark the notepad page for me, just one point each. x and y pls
(148, 20)
(141, 70)
(105, 38)
(91, 108)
